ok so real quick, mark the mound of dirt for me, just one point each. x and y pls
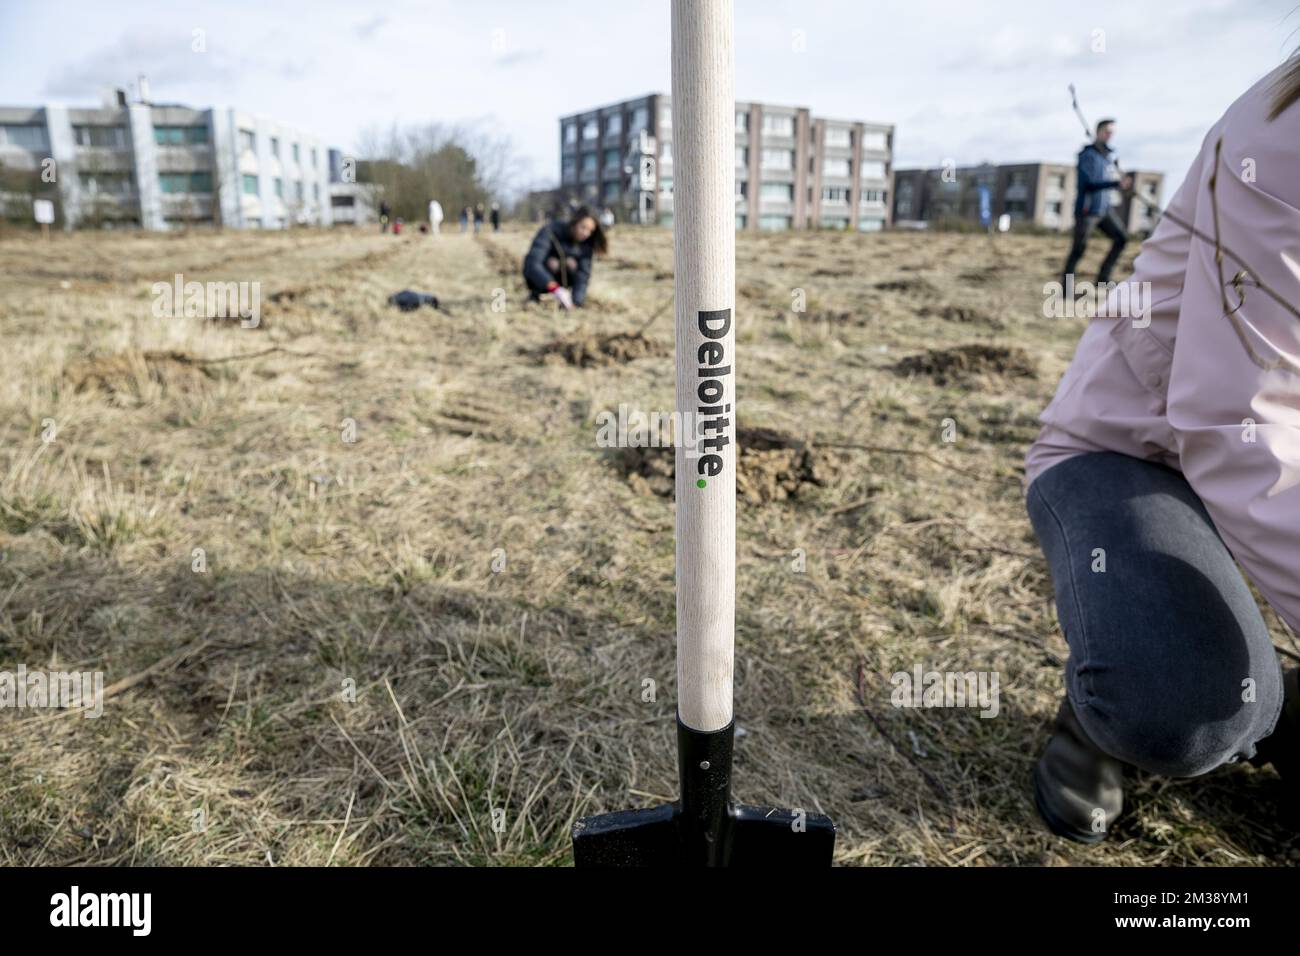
(506, 263)
(592, 351)
(123, 372)
(967, 361)
(772, 467)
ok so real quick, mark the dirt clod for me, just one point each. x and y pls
(594, 351)
(772, 467)
(967, 361)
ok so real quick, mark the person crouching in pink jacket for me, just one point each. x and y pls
(1169, 456)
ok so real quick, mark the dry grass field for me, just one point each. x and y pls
(428, 645)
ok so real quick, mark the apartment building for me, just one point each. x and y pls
(793, 170)
(1035, 194)
(163, 166)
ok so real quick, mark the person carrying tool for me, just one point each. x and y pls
(1096, 203)
(559, 260)
(1169, 455)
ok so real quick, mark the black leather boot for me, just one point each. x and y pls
(1078, 788)
(1281, 748)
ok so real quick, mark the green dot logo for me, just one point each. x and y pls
(701, 483)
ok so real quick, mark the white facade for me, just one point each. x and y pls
(164, 166)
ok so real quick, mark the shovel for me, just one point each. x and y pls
(704, 827)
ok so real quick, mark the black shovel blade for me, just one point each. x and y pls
(664, 836)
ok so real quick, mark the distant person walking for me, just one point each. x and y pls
(478, 218)
(559, 260)
(385, 213)
(435, 216)
(464, 219)
(496, 217)
(1096, 204)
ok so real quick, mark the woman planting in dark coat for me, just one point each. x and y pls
(559, 261)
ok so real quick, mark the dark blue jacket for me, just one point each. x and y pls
(1092, 191)
(554, 239)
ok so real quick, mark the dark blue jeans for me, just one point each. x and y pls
(1171, 667)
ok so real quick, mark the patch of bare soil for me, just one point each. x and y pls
(968, 361)
(124, 372)
(597, 351)
(915, 286)
(965, 314)
(772, 467)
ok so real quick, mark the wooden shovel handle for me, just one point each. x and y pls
(704, 258)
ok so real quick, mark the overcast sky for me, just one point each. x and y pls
(967, 81)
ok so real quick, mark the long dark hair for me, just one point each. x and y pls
(598, 240)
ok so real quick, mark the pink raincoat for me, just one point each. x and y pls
(1184, 390)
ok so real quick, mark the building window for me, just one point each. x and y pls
(116, 184)
(873, 169)
(295, 152)
(180, 135)
(870, 225)
(875, 140)
(299, 190)
(275, 146)
(247, 140)
(782, 192)
(837, 194)
(1015, 207)
(742, 121)
(250, 184)
(611, 192)
(196, 182)
(836, 167)
(570, 167)
(742, 189)
(838, 137)
(24, 137)
(1053, 208)
(640, 119)
(313, 158)
(773, 223)
(740, 220)
(315, 192)
(666, 151)
(666, 185)
(872, 197)
(570, 133)
(277, 185)
(666, 117)
(1018, 178)
(742, 156)
(111, 137)
(611, 159)
(614, 125)
(589, 162)
(778, 159)
(590, 129)
(776, 125)
(1056, 181)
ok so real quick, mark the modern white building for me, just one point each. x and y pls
(161, 166)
